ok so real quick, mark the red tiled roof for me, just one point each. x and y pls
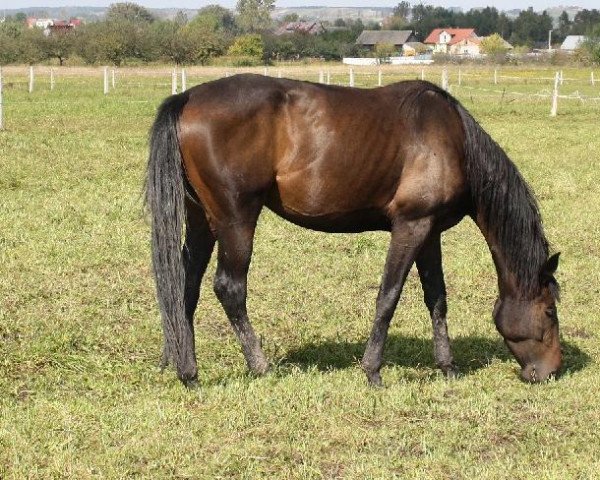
(458, 34)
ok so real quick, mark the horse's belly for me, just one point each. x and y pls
(326, 216)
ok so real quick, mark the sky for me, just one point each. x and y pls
(465, 4)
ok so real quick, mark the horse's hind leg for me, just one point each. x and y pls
(230, 284)
(407, 239)
(429, 264)
(196, 253)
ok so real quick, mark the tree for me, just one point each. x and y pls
(247, 46)
(290, 17)
(589, 51)
(585, 22)
(115, 41)
(426, 17)
(128, 11)
(383, 51)
(484, 21)
(504, 26)
(493, 45)
(180, 19)
(58, 44)
(531, 28)
(10, 39)
(402, 10)
(254, 15)
(172, 43)
(394, 22)
(564, 25)
(215, 18)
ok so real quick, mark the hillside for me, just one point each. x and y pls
(366, 14)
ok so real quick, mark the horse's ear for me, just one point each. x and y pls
(550, 266)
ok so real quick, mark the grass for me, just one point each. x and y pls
(80, 392)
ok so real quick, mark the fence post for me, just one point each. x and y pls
(183, 80)
(351, 77)
(592, 78)
(321, 76)
(459, 77)
(105, 80)
(422, 74)
(113, 78)
(379, 78)
(174, 81)
(30, 79)
(1, 111)
(554, 109)
(561, 77)
(495, 76)
(266, 72)
(279, 74)
(328, 77)
(445, 79)
(51, 79)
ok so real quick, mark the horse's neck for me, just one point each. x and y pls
(507, 280)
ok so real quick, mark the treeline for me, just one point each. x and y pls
(529, 29)
(130, 34)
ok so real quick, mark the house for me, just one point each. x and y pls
(64, 25)
(49, 25)
(572, 43)
(42, 23)
(307, 28)
(370, 38)
(454, 41)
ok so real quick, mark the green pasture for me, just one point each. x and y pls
(80, 392)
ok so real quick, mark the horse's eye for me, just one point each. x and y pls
(551, 312)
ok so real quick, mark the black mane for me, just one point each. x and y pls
(507, 206)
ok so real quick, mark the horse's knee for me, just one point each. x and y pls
(229, 291)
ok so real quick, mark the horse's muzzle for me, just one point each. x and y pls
(532, 373)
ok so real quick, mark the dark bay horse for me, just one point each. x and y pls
(406, 158)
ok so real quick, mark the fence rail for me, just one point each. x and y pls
(42, 82)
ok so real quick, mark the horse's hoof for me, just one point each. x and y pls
(260, 368)
(450, 371)
(191, 384)
(375, 380)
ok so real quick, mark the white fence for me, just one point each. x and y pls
(581, 85)
(365, 62)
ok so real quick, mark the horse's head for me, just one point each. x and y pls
(530, 327)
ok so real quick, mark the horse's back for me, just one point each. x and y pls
(326, 157)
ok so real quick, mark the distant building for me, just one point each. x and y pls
(454, 41)
(43, 23)
(50, 25)
(370, 38)
(572, 43)
(308, 28)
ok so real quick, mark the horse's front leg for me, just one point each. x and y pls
(429, 264)
(407, 239)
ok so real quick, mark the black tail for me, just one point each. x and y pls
(165, 199)
(505, 203)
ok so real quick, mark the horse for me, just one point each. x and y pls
(406, 158)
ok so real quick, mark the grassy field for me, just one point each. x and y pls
(80, 392)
